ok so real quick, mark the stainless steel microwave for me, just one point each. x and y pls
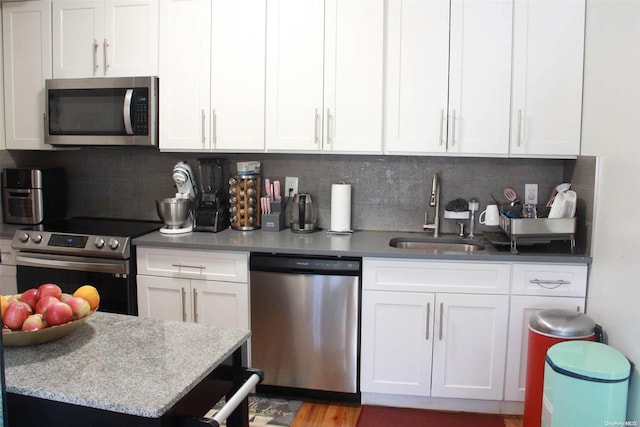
(102, 111)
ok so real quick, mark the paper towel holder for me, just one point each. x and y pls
(340, 209)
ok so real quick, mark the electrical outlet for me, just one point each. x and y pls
(290, 182)
(531, 194)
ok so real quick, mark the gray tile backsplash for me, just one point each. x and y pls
(388, 192)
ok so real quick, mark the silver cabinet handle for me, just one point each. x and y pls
(519, 130)
(126, 111)
(204, 118)
(195, 306)
(549, 284)
(316, 138)
(453, 128)
(106, 55)
(182, 302)
(329, 136)
(443, 121)
(428, 319)
(180, 265)
(96, 46)
(441, 319)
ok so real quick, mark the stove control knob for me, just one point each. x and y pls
(99, 242)
(24, 237)
(113, 244)
(37, 238)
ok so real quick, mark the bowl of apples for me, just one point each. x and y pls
(44, 314)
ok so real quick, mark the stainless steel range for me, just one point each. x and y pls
(76, 251)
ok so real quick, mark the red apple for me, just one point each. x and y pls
(58, 313)
(50, 289)
(31, 297)
(15, 315)
(65, 297)
(45, 302)
(79, 306)
(34, 322)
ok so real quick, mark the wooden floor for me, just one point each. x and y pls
(322, 414)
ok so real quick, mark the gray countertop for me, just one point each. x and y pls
(8, 230)
(121, 363)
(359, 244)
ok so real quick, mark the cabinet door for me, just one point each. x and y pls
(26, 34)
(354, 54)
(164, 298)
(417, 76)
(469, 349)
(294, 82)
(130, 38)
(185, 52)
(78, 38)
(480, 77)
(238, 74)
(548, 47)
(220, 303)
(397, 336)
(522, 308)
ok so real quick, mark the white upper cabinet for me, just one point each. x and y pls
(237, 74)
(417, 76)
(109, 38)
(548, 51)
(325, 75)
(212, 64)
(448, 86)
(26, 40)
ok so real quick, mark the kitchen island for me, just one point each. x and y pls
(120, 370)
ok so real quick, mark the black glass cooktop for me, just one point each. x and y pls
(100, 226)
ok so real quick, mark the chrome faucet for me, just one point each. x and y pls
(434, 201)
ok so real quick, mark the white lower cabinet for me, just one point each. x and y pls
(193, 286)
(453, 335)
(537, 287)
(421, 339)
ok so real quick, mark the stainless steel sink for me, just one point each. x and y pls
(434, 245)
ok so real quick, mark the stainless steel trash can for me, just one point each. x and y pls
(585, 384)
(546, 328)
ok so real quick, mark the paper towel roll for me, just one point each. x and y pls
(340, 207)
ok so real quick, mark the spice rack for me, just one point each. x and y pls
(244, 209)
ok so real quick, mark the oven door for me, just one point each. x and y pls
(111, 278)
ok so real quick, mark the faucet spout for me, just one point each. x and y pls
(434, 201)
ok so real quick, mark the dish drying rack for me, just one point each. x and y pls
(534, 230)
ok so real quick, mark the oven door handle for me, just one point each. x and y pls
(95, 265)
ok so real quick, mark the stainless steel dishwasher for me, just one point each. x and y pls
(305, 322)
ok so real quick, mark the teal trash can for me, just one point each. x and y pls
(585, 384)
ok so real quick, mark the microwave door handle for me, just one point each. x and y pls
(126, 111)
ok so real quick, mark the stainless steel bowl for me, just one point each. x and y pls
(173, 212)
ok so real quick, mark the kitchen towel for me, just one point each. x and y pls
(340, 207)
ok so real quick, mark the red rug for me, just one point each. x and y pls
(379, 416)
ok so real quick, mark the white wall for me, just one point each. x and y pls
(611, 130)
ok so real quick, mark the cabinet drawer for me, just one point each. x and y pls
(436, 276)
(209, 265)
(550, 279)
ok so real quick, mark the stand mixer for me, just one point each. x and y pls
(176, 212)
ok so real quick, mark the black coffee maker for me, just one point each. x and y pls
(212, 213)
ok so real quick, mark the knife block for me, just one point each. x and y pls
(274, 221)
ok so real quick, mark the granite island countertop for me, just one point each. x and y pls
(359, 244)
(121, 363)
